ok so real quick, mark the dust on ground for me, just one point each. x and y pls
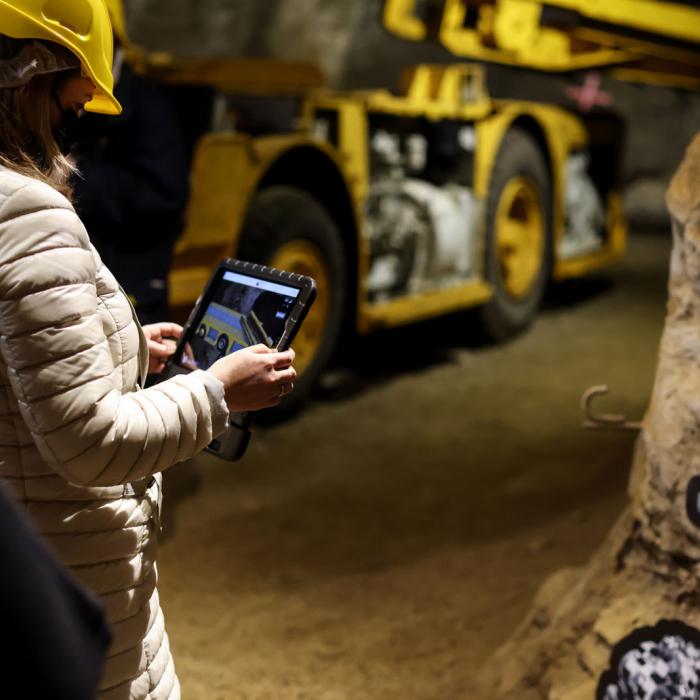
(386, 541)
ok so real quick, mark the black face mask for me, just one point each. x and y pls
(67, 131)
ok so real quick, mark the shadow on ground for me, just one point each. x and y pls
(382, 543)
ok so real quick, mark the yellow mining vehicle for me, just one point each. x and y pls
(410, 206)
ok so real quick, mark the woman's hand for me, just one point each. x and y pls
(162, 341)
(255, 377)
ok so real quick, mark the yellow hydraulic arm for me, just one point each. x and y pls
(648, 40)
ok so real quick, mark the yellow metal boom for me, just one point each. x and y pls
(648, 40)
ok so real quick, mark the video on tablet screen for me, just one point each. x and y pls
(244, 311)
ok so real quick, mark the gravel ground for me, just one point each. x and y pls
(382, 544)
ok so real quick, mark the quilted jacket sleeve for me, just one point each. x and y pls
(59, 362)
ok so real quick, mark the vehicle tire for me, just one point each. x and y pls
(222, 343)
(518, 245)
(287, 228)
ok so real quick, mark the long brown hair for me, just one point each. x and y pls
(27, 142)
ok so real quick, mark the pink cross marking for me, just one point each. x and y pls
(589, 95)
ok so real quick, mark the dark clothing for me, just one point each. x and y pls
(54, 633)
(133, 189)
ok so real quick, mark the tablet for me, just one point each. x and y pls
(243, 304)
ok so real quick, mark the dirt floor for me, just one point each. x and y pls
(385, 542)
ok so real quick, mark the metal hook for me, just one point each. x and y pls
(609, 421)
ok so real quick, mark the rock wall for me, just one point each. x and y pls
(347, 40)
(313, 30)
(646, 573)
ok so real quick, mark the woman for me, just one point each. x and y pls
(80, 444)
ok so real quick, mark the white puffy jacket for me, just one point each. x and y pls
(80, 444)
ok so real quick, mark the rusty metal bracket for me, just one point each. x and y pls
(603, 421)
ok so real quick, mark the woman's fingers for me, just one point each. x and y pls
(170, 330)
(282, 384)
(286, 388)
(281, 359)
(165, 329)
(260, 349)
(284, 359)
(285, 376)
(281, 390)
(256, 377)
(162, 349)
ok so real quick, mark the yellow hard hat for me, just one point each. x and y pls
(82, 26)
(116, 14)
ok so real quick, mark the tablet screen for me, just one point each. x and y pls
(243, 311)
